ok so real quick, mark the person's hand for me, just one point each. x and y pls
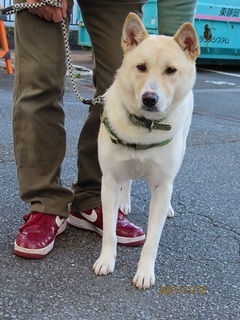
(49, 12)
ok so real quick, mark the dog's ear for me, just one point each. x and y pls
(133, 33)
(187, 39)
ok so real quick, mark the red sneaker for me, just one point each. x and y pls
(127, 233)
(35, 239)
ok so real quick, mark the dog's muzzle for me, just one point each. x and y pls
(149, 100)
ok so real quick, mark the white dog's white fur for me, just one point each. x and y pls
(154, 82)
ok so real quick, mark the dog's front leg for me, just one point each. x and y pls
(110, 201)
(159, 207)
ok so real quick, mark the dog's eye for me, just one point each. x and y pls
(142, 67)
(171, 70)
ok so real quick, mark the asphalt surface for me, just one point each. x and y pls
(197, 268)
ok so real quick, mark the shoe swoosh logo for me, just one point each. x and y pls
(90, 217)
(59, 221)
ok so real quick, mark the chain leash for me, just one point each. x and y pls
(56, 3)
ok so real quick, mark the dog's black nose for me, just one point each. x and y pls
(149, 99)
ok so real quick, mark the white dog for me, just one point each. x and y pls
(143, 133)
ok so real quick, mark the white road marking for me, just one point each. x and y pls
(221, 82)
(221, 72)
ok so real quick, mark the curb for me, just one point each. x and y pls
(83, 71)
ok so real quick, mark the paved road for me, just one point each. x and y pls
(197, 269)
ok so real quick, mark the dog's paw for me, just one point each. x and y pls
(125, 208)
(125, 199)
(170, 213)
(103, 266)
(144, 280)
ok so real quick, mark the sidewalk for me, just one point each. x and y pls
(79, 58)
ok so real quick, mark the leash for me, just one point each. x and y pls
(55, 3)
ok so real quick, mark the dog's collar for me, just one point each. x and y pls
(136, 146)
(149, 124)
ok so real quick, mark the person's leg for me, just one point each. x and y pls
(38, 116)
(173, 13)
(38, 131)
(104, 22)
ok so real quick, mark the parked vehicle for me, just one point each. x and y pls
(217, 23)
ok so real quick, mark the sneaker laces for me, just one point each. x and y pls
(31, 219)
(121, 215)
(122, 218)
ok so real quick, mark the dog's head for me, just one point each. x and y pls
(157, 71)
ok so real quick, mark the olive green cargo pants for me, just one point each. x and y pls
(38, 115)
